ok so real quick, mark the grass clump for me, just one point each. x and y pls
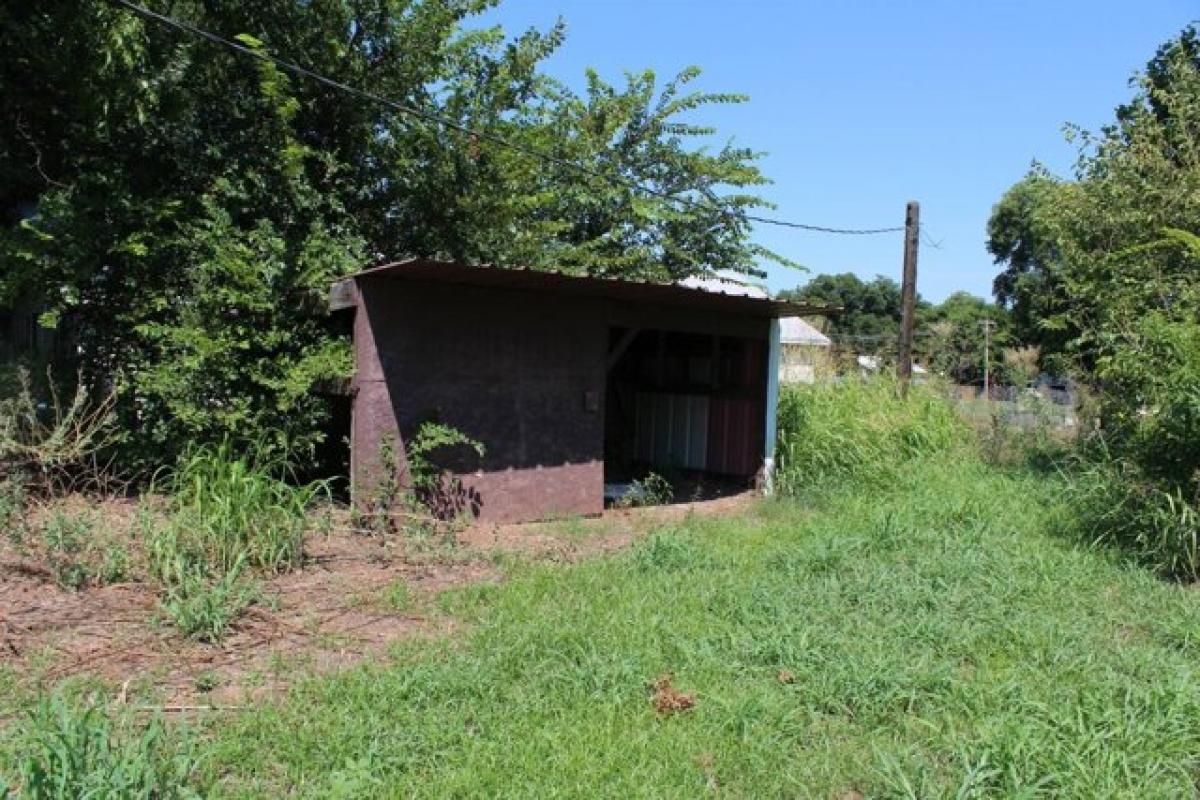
(229, 514)
(64, 538)
(398, 597)
(229, 506)
(68, 749)
(77, 547)
(1113, 504)
(668, 550)
(203, 606)
(860, 430)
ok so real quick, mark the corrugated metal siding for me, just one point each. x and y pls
(735, 433)
(515, 377)
(671, 430)
(717, 434)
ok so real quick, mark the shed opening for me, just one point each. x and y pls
(686, 406)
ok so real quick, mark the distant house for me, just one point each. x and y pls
(803, 350)
(1058, 389)
(571, 383)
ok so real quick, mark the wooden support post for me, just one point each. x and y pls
(987, 357)
(908, 293)
(772, 404)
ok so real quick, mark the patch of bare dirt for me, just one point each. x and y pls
(579, 537)
(334, 612)
(331, 614)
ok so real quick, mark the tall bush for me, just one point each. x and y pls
(1105, 269)
(1137, 485)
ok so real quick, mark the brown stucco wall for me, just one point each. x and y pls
(523, 372)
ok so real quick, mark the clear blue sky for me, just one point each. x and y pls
(862, 106)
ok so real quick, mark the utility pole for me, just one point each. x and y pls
(987, 356)
(908, 293)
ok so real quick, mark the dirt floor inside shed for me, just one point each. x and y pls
(350, 601)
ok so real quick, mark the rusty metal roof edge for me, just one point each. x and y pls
(781, 308)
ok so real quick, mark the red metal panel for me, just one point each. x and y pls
(735, 436)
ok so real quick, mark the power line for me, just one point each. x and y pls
(936, 244)
(437, 119)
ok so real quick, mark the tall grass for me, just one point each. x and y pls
(75, 750)
(860, 430)
(930, 637)
(230, 507)
(1112, 503)
(204, 606)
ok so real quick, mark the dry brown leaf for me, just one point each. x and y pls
(666, 699)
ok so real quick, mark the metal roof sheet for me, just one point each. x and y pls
(724, 284)
(635, 291)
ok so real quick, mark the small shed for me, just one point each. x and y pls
(569, 382)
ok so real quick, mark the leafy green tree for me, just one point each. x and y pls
(182, 208)
(1021, 237)
(637, 133)
(1137, 270)
(951, 339)
(869, 309)
(1087, 257)
(1117, 260)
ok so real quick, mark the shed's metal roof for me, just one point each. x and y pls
(701, 299)
(724, 284)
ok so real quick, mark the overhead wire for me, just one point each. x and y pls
(936, 244)
(450, 124)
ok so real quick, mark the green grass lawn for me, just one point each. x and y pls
(939, 639)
